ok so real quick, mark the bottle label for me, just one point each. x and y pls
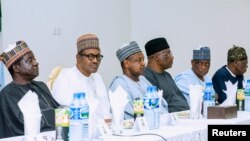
(247, 92)
(84, 113)
(75, 113)
(147, 103)
(155, 103)
(207, 95)
(151, 103)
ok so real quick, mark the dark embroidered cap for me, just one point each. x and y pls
(236, 53)
(156, 45)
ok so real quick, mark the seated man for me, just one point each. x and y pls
(83, 77)
(23, 67)
(132, 80)
(197, 75)
(237, 61)
(160, 58)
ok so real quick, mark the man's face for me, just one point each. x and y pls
(135, 64)
(165, 58)
(200, 67)
(241, 66)
(28, 67)
(88, 61)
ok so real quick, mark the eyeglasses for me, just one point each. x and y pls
(91, 57)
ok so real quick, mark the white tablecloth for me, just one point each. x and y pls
(182, 130)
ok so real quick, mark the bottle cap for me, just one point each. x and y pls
(76, 95)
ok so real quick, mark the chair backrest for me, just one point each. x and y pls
(53, 75)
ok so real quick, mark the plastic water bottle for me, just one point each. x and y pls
(79, 116)
(75, 125)
(148, 110)
(208, 98)
(247, 96)
(84, 115)
(156, 107)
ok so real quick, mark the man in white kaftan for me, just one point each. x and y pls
(83, 78)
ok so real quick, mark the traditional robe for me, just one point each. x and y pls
(70, 81)
(171, 93)
(134, 90)
(11, 117)
(221, 76)
(188, 77)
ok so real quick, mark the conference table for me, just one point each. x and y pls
(181, 129)
(184, 129)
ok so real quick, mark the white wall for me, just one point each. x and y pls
(186, 24)
(51, 27)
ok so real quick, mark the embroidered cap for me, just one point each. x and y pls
(236, 53)
(126, 50)
(156, 45)
(87, 41)
(201, 54)
(14, 52)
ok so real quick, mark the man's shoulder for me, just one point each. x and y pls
(221, 72)
(185, 74)
(118, 80)
(10, 87)
(67, 74)
(7, 89)
(67, 71)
